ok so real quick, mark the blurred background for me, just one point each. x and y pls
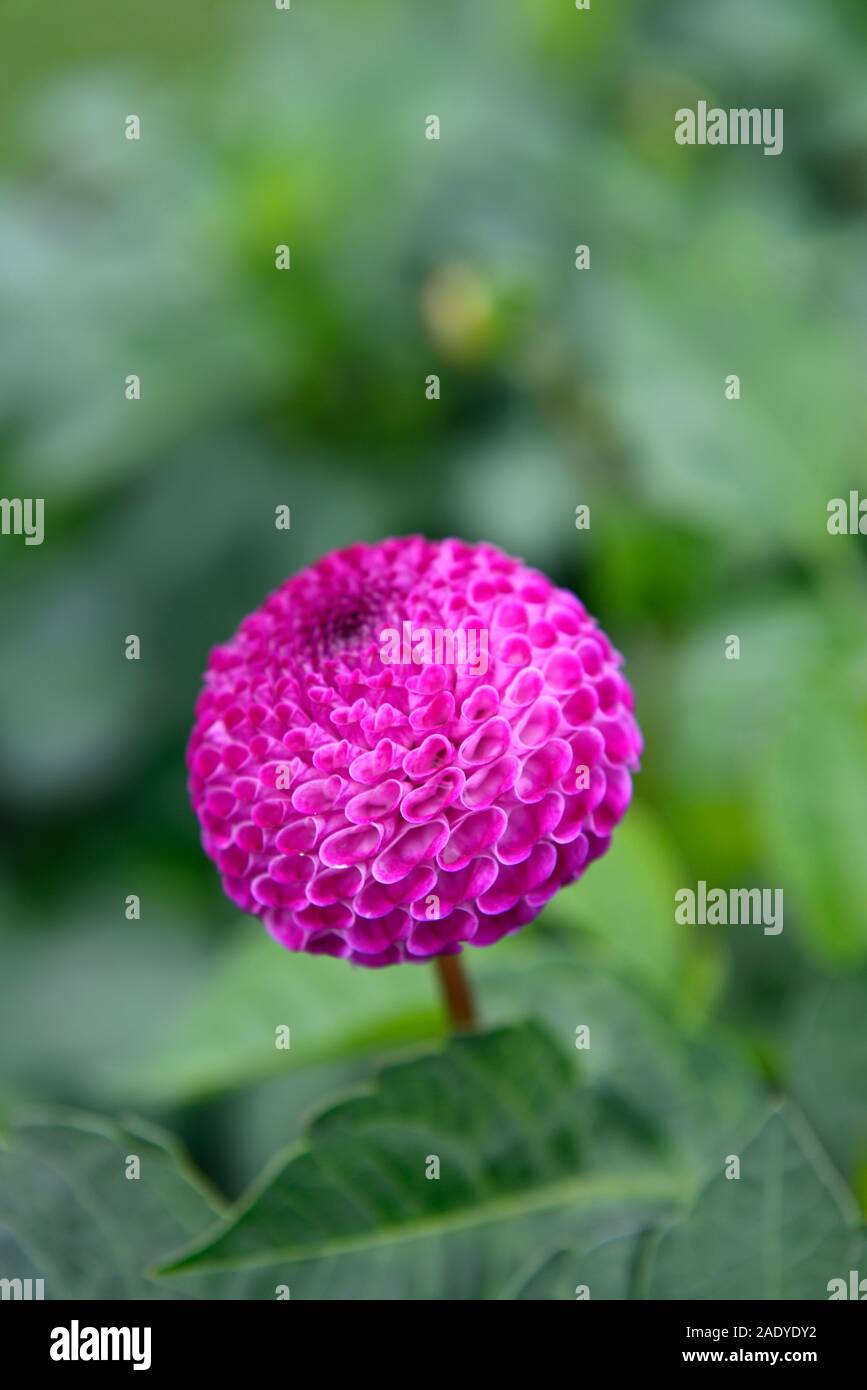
(306, 388)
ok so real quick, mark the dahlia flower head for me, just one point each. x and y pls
(389, 801)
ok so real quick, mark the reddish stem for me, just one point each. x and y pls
(456, 993)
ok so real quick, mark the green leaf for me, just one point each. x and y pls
(352, 1213)
(335, 1011)
(689, 1093)
(827, 1070)
(599, 1270)
(758, 470)
(814, 809)
(78, 1005)
(15, 1263)
(88, 1228)
(741, 701)
(626, 904)
(227, 1036)
(781, 1230)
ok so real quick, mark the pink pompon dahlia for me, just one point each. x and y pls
(410, 746)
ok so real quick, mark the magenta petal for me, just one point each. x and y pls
(371, 767)
(540, 723)
(563, 670)
(461, 886)
(372, 937)
(299, 836)
(487, 743)
(428, 938)
(435, 753)
(438, 711)
(526, 687)
(318, 795)
(432, 797)
(420, 842)
(482, 704)
(374, 803)
(527, 825)
(543, 769)
(478, 831)
(350, 846)
(333, 885)
(494, 928)
(335, 917)
(489, 783)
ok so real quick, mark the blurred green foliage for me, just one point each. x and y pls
(558, 388)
